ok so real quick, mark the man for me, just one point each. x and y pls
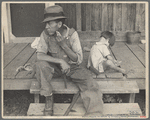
(59, 53)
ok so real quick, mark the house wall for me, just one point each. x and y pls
(107, 16)
(116, 17)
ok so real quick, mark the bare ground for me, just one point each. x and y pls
(16, 103)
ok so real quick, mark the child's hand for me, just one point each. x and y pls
(117, 63)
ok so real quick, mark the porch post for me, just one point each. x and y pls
(5, 26)
(6, 23)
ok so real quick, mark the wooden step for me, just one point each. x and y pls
(111, 109)
(105, 86)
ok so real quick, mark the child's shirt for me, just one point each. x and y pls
(98, 54)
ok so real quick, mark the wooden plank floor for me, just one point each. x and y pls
(129, 60)
(20, 60)
(132, 57)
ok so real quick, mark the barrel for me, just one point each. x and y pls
(133, 37)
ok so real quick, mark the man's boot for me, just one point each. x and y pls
(48, 111)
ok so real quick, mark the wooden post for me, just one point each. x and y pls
(75, 98)
(78, 16)
(132, 98)
(49, 4)
(9, 22)
(36, 98)
(5, 25)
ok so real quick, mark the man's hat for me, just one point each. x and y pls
(53, 13)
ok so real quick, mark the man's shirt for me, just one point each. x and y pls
(75, 45)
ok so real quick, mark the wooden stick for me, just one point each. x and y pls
(72, 104)
(94, 70)
(65, 81)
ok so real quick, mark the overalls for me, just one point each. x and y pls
(89, 89)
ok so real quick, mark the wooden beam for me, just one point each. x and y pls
(78, 16)
(24, 84)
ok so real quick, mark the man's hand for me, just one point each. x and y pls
(60, 40)
(65, 66)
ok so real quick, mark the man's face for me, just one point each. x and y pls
(52, 27)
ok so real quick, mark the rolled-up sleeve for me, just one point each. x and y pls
(42, 47)
(76, 47)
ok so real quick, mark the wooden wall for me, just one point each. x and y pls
(89, 17)
(105, 16)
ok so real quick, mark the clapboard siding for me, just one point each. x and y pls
(106, 16)
(140, 17)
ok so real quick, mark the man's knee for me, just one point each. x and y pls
(45, 67)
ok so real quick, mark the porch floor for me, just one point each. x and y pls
(18, 54)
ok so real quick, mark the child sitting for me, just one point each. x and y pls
(100, 57)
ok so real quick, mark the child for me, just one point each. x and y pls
(100, 57)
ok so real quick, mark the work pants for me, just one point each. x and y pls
(89, 88)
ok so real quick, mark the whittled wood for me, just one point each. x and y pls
(24, 74)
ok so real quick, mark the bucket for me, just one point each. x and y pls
(133, 37)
